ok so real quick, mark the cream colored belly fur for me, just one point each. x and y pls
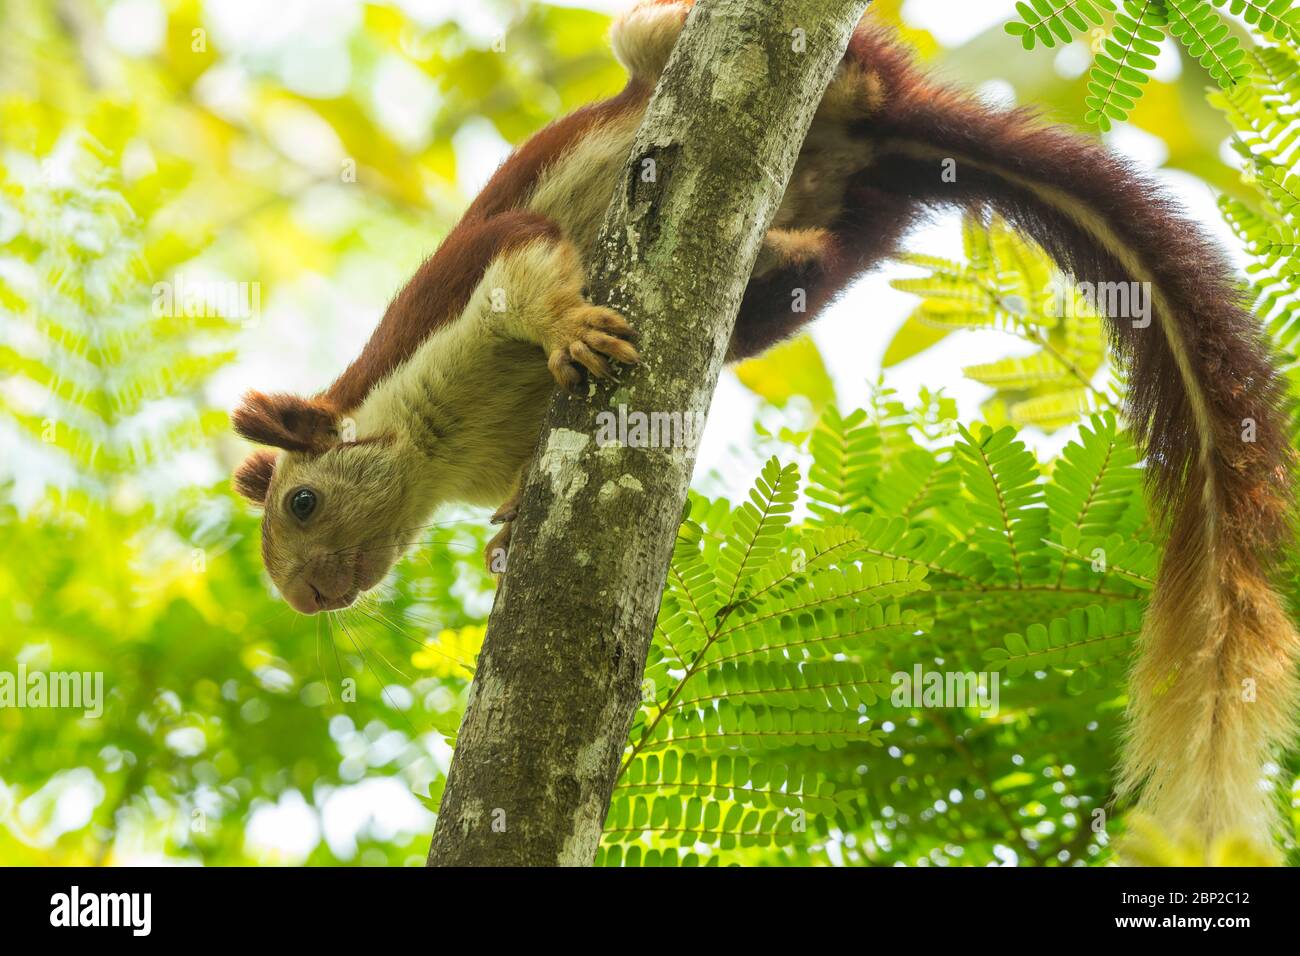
(467, 407)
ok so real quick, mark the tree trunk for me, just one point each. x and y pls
(559, 677)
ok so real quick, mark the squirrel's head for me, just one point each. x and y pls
(338, 511)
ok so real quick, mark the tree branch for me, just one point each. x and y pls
(559, 677)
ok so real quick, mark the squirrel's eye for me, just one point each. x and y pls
(303, 503)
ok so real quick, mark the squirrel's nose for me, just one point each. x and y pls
(302, 598)
(324, 603)
(317, 590)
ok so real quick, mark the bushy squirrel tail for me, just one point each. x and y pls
(1214, 689)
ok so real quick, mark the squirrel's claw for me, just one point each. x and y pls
(584, 337)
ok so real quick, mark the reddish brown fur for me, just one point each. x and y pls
(510, 184)
(286, 421)
(253, 477)
(492, 225)
(1231, 360)
(868, 230)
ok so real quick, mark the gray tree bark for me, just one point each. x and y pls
(559, 677)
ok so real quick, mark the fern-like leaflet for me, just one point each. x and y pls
(1125, 63)
(1126, 56)
(1262, 111)
(105, 377)
(1042, 21)
(1008, 284)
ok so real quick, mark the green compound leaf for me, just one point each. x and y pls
(1047, 22)
(1208, 38)
(1124, 66)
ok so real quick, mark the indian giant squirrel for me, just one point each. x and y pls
(446, 399)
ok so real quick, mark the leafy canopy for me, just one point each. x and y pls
(1125, 55)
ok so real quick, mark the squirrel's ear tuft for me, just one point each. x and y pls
(286, 421)
(253, 477)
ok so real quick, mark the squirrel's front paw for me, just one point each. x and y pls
(582, 338)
